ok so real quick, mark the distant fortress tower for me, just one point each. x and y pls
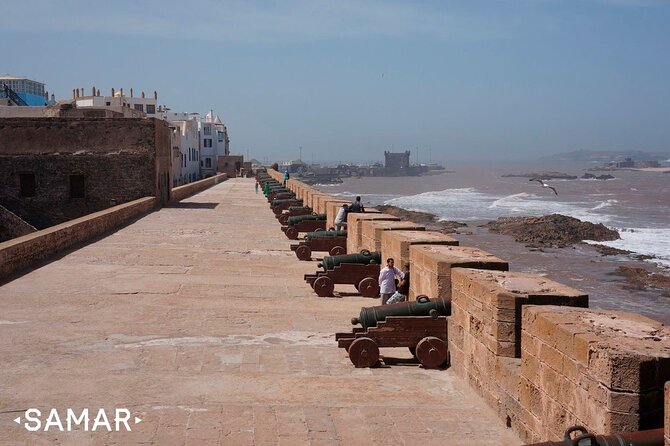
(396, 164)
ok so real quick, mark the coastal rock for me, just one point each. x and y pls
(642, 279)
(605, 177)
(542, 175)
(551, 231)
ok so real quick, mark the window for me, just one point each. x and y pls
(208, 162)
(108, 104)
(151, 109)
(189, 154)
(207, 142)
(77, 186)
(220, 136)
(207, 130)
(139, 107)
(27, 183)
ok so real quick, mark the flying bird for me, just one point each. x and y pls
(544, 184)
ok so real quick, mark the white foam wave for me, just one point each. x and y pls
(646, 241)
(604, 204)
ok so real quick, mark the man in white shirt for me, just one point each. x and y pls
(387, 278)
(341, 217)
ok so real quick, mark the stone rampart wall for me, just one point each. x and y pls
(528, 345)
(22, 252)
(12, 226)
(181, 192)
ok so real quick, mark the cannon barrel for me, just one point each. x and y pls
(299, 208)
(423, 306)
(652, 437)
(292, 221)
(280, 201)
(365, 257)
(325, 233)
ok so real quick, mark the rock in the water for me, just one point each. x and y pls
(551, 231)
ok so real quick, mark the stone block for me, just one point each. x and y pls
(396, 243)
(613, 378)
(371, 233)
(434, 263)
(354, 221)
(502, 295)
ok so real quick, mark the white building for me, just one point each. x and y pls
(185, 148)
(214, 143)
(118, 101)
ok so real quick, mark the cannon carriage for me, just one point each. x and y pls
(279, 205)
(332, 242)
(303, 223)
(421, 326)
(293, 211)
(360, 270)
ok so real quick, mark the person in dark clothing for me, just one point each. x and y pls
(356, 206)
(403, 287)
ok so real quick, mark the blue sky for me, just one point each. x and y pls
(348, 79)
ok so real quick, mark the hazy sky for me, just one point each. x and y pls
(348, 79)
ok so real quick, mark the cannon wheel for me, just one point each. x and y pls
(283, 219)
(291, 233)
(303, 252)
(364, 352)
(368, 287)
(412, 350)
(432, 352)
(337, 251)
(324, 286)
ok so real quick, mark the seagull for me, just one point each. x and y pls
(543, 184)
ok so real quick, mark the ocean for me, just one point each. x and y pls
(637, 204)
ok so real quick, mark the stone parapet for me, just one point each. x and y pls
(396, 243)
(372, 230)
(26, 251)
(354, 228)
(432, 264)
(605, 370)
(487, 304)
(181, 192)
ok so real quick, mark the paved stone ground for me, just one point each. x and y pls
(196, 318)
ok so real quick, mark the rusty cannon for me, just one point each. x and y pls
(579, 436)
(293, 211)
(303, 223)
(278, 205)
(420, 326)
(332, 242)
(360, 270)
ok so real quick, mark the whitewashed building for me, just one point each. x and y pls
(214, 143)
(185, 148)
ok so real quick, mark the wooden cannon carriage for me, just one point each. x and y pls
(303, 223)
(280, 205)
(420, 326)
(332, 242)
(293, 211)
(360, 270)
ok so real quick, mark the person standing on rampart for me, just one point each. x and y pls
(387, 278)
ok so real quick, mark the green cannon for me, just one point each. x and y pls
(328, 233)
(365, 257)
(292, 221)
(303, 223)
(423, 306)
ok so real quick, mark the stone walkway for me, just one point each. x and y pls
(196, 319)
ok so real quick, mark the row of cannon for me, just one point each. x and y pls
(420, 325)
